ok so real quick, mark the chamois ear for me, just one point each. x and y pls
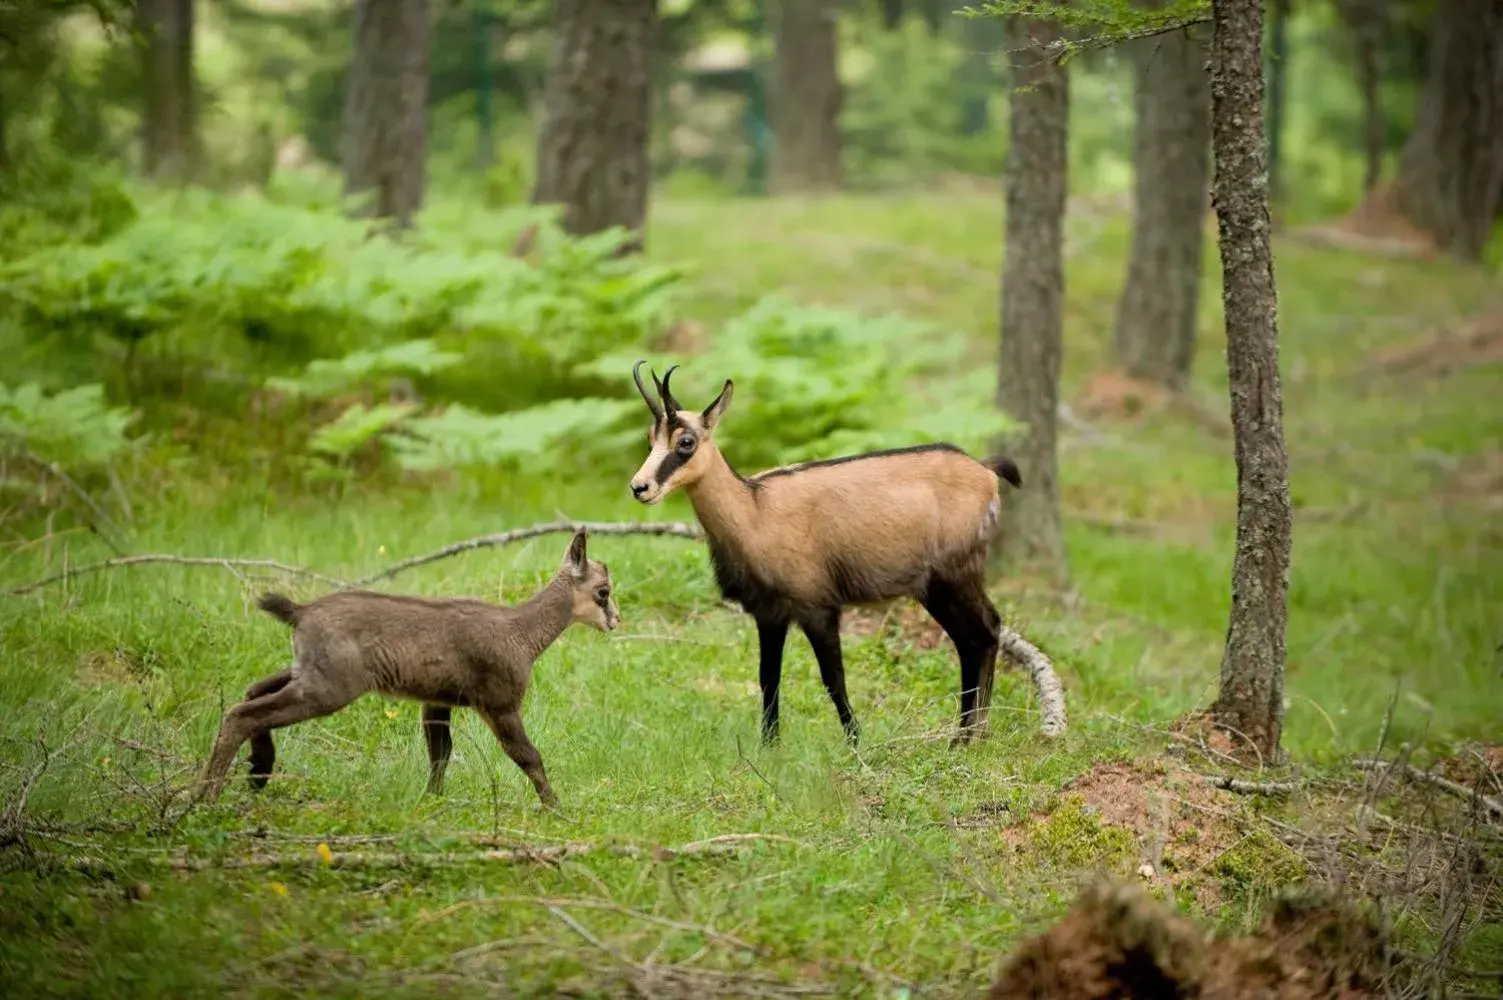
(576, 560)
(716, 410)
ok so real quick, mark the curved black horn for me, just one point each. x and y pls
(636, 374)
(668, 401)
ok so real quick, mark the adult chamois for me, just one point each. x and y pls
(446, 654)
(796, 544)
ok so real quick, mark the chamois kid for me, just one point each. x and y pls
(796, 544)
(446, 654)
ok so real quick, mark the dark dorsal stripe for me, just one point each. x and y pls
(762, 477)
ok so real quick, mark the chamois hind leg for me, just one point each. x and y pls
(968, 617)
(263, 753)
(508, 729)
(294, 702)
(823, 630)
(772, 635)
(440, 738)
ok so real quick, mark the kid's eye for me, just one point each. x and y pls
(603, 594)
(686, 443)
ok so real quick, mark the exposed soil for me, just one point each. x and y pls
(1116, 397)
(1374, 227)
(1475, 342)
(1180, 823)
(905, 618)
(1118, 943)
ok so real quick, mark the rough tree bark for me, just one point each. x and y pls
(1364, 20)
(1171, 159)
(169, 145)
(385, 123)
(592, 153)
(1032, 293)
(1450, 176)
(1251, 699)
(805, 97)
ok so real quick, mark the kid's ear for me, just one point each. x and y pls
(716, 410)
(576, 560)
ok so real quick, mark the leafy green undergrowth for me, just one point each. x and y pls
(903, 857)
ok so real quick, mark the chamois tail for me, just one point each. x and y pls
(1007, 469)
(284, 609)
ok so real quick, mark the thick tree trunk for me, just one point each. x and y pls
(385, 142)
(1032, 294)
(592, 153)
(805, 97)
(1450, 178)
(1171, 157)
(1364, 19)
(1251, 700)
(1278, 73)
(169, 146)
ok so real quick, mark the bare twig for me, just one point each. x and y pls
(1492, 805)
(223, 563)
(675, 529)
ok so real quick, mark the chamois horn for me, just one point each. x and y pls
(636, 374)
(669, 403)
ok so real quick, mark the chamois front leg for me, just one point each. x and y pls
(823, 630)
(440, 739)
(772, 634)
(508, 729)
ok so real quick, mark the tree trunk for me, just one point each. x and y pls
(592, 153)
(1276, 102)
(1032, 292)
(1171, 158)
(1450, 178)
(169, 148)
(805, 97)
(1364, 19)
(892, 14)
(1251, 700)
(386, 109)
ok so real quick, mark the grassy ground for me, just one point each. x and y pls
(906, 862)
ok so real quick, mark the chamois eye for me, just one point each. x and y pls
(603, 594)
(686, 443)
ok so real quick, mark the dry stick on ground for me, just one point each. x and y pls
(674, 529)
(1492, 805)
(1051, 696)
(1252, 787)
(549, 854)
(224, 563)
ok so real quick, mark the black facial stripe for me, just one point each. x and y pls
(670, 465)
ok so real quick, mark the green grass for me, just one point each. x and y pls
(649, 735)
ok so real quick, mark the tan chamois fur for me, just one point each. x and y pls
(447, 654)
(797, 544)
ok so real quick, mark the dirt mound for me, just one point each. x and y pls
(1165, 823)
(1375, 226)
(1475, 342)
(1118, 943)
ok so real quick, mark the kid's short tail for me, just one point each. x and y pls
(284, 609)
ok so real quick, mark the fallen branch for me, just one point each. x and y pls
(675, 529)
(1413, 773)
(223, 563)
(1051, 695)
(1251, 787)
(550, 854)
